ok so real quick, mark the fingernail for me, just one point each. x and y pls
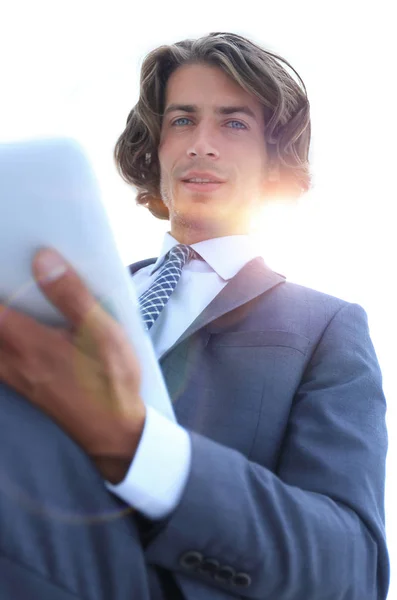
(50, 265)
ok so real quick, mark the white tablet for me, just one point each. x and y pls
(49, 196)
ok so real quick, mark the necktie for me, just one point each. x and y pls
(156, 297)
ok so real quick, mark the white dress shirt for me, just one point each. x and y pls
(159, 471)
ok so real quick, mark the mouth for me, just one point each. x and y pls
(201, 186)
(201, 182)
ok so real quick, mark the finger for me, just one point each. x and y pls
(17, 329)
(96, 333)
(67, 292)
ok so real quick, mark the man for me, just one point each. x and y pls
(271, 485)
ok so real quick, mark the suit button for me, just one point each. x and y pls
(209, 565)
(224, 574)
(191, 560)
(242, 580)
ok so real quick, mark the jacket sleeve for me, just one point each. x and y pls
(315, 528)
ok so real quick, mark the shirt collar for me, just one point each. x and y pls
(225, 255)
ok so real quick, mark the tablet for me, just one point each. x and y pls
(49, 196)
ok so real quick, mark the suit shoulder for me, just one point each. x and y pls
(309, 312)
(298, 293)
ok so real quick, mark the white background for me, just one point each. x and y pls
(73, 68)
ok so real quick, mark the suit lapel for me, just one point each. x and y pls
(254, 279)
(141, 264)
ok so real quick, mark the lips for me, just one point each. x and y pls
(201, 180)
(202, 188)
(206, 176)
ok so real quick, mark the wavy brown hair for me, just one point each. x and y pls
(260, 73)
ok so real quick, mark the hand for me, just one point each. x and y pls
(86, 379)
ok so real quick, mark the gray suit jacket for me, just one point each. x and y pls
(280, 389)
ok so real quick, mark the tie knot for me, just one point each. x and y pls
(181, 254)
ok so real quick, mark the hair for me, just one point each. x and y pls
(260, 73)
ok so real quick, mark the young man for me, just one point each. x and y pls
(271, 484)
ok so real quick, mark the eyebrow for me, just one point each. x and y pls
(221, 110)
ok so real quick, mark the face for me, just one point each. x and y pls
(212, 153)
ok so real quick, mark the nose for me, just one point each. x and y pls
(202, 144)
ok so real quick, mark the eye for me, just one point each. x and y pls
(239, 123)
(180, 119)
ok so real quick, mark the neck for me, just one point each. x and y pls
(188, 234)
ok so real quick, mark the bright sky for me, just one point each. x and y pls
(73, 68)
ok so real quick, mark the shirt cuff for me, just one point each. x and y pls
(157, 476)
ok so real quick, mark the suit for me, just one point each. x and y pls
(280, 390)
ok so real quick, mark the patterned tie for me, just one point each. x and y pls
(156, 297)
